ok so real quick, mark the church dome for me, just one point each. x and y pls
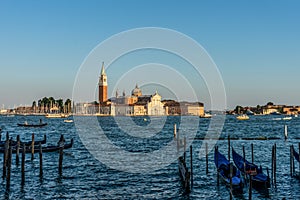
(136, 91)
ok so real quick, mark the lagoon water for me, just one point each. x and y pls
(85, 177)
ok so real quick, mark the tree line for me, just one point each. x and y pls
(46, 105)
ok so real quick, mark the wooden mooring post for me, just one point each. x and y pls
(218, 181)
(32, 146)
(244, 160)
(8, 168)
(23, 165)
(5, 157)
(250, 188)
(178, 141)
(41, 159)
(229, 148)
(191, 164)
(252, 153)
(272, 166)
(206, 157)
(230, 176)
(291, 160)
(61, 153)
(275, 164)
(299, 156)
(18, 149)
(184, 149)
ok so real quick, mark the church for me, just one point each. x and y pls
(135, 104)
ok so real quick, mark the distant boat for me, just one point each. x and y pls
(275, 113)
(249, 112)
(32, 125)
(68, 120)
(56, 115)
(206, 115)
(296, 115)
(242, 117)
(287, 118)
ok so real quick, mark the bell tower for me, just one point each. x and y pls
(102, 86)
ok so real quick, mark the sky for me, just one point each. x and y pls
(254, 44)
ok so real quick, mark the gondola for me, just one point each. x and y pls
(37, 149)
(296, 154)
(32, 125)
(223, 167)
(259, 179)
(13, 142)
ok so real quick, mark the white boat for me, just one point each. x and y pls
(287, 118)
(68, 120)
(242, 117)
(206, 115)
(57, 115)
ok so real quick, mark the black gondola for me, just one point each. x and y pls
(223, 167)
(44, 149)
(13, 142)
(259, 179)
(33, 125)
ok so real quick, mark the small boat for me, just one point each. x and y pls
(242, 117)
(259, 179)
(223, 167)
(68, 120)
(44, 149)
(32, 125)
(287, 118)
(56, 115)
(206, 115)
(275, 113)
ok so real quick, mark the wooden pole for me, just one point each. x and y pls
(275, 164)
(8, 168)
(184, 148)
(299, 156)
(61, 148)
(206, 157)
(230, 176)
(18, 149)
(32, 146)
(5, 155)
(191, 162)
(23, 165)
(218, 181)
(244, 159)
(252, 152)
(272, 167)
(291, 162)
(175, 130)
(41, 159)
(250, 188)
(228, 148)
(178, 141)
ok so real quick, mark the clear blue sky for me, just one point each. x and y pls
(255, 44)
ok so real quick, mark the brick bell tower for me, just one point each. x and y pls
(102, 86)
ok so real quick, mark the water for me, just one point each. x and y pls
(84, 177)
